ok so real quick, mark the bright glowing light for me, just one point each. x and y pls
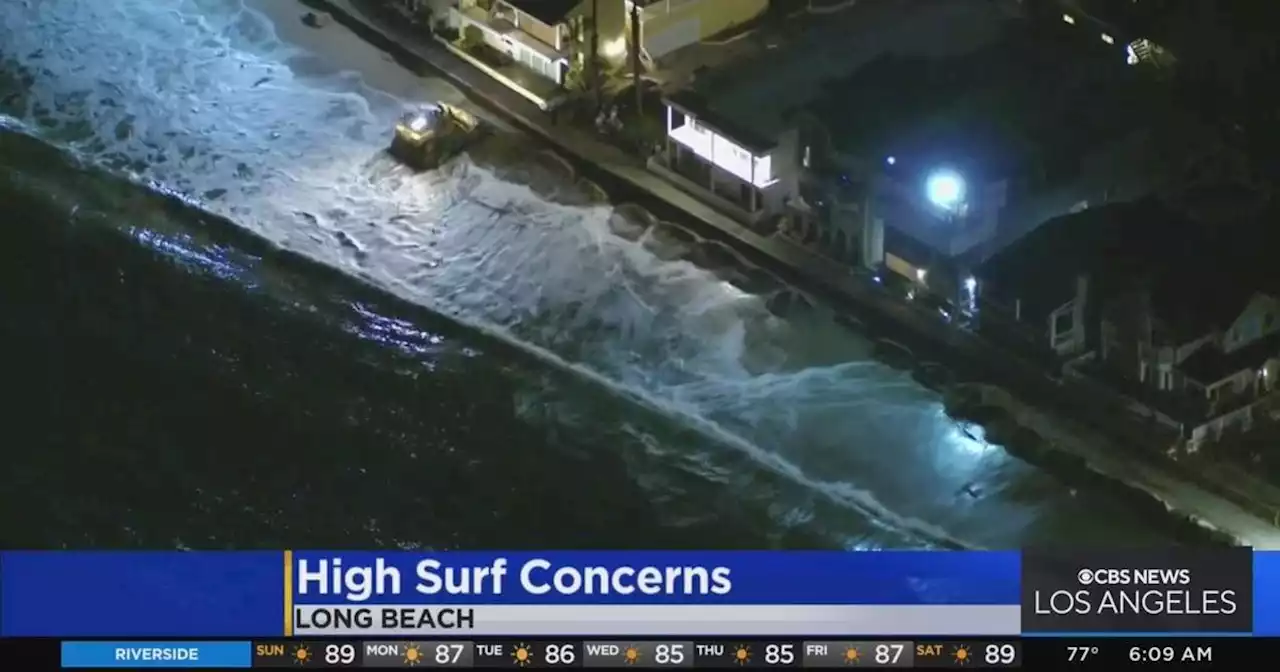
(891, 160)
(419, 123)
(614, 48)
(1131, 56)
(945, 189)
(971, 283)
(1068, 18)
(1108, 39)
(920, 274)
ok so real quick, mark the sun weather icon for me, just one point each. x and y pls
(852, 656)
(412, 655)
(631, 655)
(301, 654)
(743, 655)
(961, 655)
(521, 655)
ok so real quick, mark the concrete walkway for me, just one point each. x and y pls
(1117, 447)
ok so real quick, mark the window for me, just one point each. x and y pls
(1062, 324)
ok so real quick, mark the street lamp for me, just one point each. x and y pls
(945, 189)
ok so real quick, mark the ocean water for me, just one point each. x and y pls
(231, 321)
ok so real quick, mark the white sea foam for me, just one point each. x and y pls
(200, 96)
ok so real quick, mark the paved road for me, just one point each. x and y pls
(1124, 452)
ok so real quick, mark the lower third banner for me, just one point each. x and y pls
(457, 594)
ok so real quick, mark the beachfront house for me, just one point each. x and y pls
(922, 145)
(1211, 359)
(528, 45)
(1040, 294)
(1122, 295)
(1236, 374)
(540, 47)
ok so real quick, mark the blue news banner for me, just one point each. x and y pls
(918, 601)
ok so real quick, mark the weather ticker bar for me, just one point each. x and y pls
(1038, 653)
(621, 653)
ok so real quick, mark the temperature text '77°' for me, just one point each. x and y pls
(1079, 654)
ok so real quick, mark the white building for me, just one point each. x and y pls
(753, 175)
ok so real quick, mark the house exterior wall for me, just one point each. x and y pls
(537, 29)
(784, 161)
(671, 24)
(1075, 338)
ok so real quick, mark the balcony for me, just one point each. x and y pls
(719, 150)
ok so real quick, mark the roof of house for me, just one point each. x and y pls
(1209, 365)
(1191, 302)
(1198, 278)
(1113, 244)
(1034, 93)
(753, 100)
(549, 12)
(1206, 282)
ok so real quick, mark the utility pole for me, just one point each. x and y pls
(635, 57)
(595, 52)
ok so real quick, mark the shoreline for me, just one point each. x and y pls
(1187, 500)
